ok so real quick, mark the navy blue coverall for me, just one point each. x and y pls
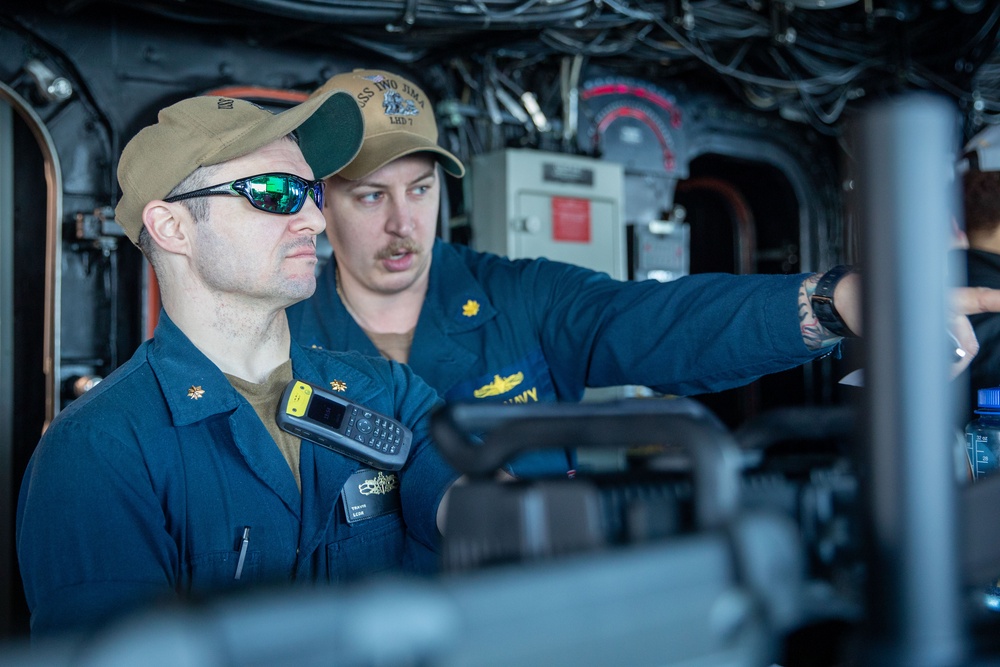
(142, 488)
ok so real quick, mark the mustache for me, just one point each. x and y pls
(298, 244)
(398, 247)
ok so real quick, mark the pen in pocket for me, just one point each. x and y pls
(243, 551)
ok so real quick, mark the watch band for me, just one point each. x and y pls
(822, 301)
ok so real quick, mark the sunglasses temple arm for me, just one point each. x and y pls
(223, 189)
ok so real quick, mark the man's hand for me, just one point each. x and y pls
(847, 297)
(969, 301)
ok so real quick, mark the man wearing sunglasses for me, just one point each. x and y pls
(171, 477)
(479, 327)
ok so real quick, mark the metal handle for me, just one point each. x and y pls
(510, 430)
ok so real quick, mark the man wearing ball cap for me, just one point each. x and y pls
(479, 327)
(171, 477)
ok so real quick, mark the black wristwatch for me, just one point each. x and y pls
(822, 301)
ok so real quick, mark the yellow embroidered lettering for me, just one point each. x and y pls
(528, 396)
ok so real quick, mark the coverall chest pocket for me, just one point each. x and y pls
(216, 570)
(377, 549)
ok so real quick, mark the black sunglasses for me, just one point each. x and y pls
(279, 193)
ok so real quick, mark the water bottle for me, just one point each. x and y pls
(982, 444)
(982, 435)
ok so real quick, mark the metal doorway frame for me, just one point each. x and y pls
(10, 100)
(53, 245)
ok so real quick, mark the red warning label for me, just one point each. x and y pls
(571, 219)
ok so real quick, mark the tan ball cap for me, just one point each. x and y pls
(399, 120)
(202, 131)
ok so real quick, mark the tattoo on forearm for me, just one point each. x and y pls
(814, 334)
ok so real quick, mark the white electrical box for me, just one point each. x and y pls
(567, 208)
(662, 250)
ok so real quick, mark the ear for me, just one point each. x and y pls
(168, 225)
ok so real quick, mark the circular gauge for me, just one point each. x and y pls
(632, 123)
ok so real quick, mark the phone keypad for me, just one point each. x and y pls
(373, 430)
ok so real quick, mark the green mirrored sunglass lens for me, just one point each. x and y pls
(278, 194)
